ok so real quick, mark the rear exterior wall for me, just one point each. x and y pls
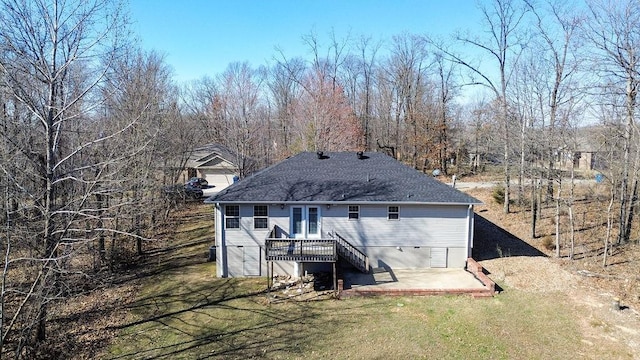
(423, 236)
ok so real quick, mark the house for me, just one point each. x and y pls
(314, 210)
(586, 150)
(217, 164)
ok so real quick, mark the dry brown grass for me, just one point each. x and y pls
(83, 325)
(619, 277)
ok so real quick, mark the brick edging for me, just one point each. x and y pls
(476, 293)
(472, 266)
(478, 271)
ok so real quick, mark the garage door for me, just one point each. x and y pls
(220, 181)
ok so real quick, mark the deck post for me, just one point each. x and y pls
(335, 278)
(268, 277)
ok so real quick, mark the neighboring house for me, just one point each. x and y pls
(584, 148)
(313, 210)
(215, 163)
(586, 153)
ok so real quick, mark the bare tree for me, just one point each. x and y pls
(614, 29)
(359, 71)
(446, 78)
(501, 20)
(323, 119)
(284, 94)
(241, 89)
(140, 88)
(552, 66)
(54, 58)
(406, 73)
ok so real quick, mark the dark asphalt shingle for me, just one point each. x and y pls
(341, 176)
(204, 153)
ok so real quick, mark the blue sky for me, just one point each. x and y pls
(201, 37)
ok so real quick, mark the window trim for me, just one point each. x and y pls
(261, 217)
(231, 217)
(356, 212)
(393, 215)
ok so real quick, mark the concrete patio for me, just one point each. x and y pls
(385, 281)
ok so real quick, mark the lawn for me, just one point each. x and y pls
(184, 312)
(188, 314)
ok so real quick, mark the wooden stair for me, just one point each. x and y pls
(350, 253)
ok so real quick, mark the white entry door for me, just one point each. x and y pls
(305, 222)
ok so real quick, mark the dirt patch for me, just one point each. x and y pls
(593, 306)
(538, 274)
(514, 260)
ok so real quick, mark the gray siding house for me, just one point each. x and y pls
(315, 210)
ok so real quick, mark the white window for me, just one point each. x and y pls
(354, 212)
(232, 217)
(260, 217)
(393, 213)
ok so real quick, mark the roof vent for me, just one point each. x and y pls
(360, 155)
(320, 155)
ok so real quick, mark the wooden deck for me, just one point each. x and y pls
(301, 250)
(278, 247)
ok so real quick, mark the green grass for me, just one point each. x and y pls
(189, 314)
(184, 312)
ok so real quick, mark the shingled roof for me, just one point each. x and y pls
(341, 177)
(204, 154)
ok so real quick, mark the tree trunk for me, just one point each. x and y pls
(627, 138)
(534, 210)
(507, 179)
(631, 211)
(558, 219)
(607, 237)
(571, 219)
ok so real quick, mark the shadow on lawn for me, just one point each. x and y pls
(93, 324)
(223, 318)
(161, 260)
(491, 242)
(212, 318)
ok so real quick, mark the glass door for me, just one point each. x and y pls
(313, 221)
(297, 222)
(305, 222)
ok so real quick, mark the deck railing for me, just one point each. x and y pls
(280, 248)
(303, 250)
(350, 253)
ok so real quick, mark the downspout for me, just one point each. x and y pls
(221, 249)
(470, 228)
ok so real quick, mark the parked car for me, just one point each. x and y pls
(197, 182)
(183, 192)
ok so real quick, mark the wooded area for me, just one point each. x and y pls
(92, 127)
